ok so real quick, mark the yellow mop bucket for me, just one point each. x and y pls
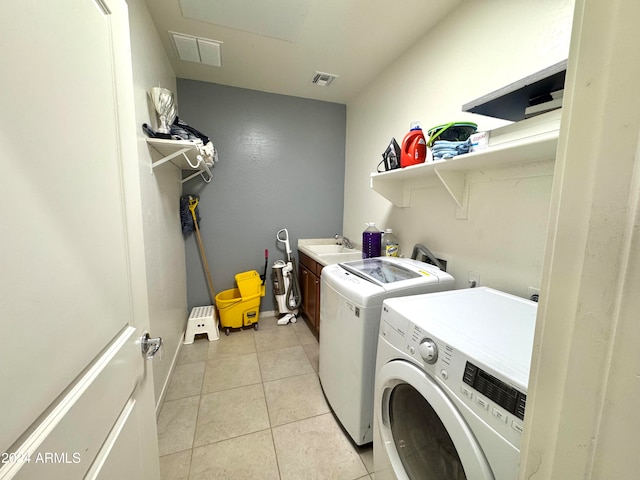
(240, 307)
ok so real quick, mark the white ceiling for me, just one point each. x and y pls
(277, 45)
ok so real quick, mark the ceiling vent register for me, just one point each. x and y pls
(323, 79)
(196, 49)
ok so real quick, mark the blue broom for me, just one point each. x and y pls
(189, 218)
(186, 218)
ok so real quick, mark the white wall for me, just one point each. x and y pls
(164, 245)
(584, 389)
(478, 48)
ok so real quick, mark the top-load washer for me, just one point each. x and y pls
(350, 304)
(451, 385)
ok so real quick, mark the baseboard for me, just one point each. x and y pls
(269, 313)
(165, 386)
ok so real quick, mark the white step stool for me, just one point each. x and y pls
(202, 320)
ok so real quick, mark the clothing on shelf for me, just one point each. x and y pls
(443, 149)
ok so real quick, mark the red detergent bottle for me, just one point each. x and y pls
(414, 147)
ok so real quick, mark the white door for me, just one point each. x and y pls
(422, 433)
(75, 391)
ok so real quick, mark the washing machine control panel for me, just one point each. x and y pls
(434, 355)
(484, 395)
(507, 397)
(428, 351)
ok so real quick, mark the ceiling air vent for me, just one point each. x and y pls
(196, 49)
(323, 79)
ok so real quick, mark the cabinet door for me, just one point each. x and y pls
(304, 285)
(309, 295)
(316, 310)
(319, 268)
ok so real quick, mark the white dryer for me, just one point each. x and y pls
(350, 303)
(452, 371)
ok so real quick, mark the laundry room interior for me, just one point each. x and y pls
(529, 226)
(306, 164)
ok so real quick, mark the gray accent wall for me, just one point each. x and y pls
(281, 166)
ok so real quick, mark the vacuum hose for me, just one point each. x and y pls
(294, 288)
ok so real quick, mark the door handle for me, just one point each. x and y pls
(150, 346)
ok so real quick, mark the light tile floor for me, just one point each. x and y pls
(250, 406)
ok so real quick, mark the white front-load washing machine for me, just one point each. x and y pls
(452, 370)
(350, 303)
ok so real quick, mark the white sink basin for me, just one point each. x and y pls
(325, 251)
(329, 258)
(331, 249)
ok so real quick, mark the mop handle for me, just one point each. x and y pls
(193, 203)
(266, 261)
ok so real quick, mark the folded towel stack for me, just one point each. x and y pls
(442, 149)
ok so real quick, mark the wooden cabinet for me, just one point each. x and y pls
(309, 277)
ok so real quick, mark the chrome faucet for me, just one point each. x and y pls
(345, 241)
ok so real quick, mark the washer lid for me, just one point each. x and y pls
(379, 271)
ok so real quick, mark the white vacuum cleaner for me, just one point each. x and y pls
(285, 283)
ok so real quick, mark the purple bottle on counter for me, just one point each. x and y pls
(371, 241)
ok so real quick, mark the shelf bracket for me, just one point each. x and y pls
(394, 191)
(169, 157)
(456, 184)
(203, 168)
(193, 175)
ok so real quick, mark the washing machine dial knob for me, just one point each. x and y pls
(428, 351)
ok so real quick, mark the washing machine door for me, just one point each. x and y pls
(422, 431)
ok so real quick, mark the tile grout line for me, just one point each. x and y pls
(273, 442)
(300, 336)
(198, 414)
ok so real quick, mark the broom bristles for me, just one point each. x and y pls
(186, 219)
